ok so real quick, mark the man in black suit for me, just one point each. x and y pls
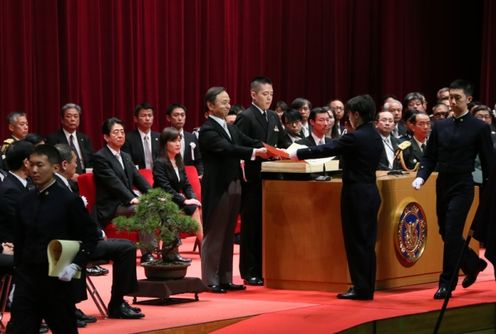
(14, 186)
(320, 123)
(421, 128)
(70, 118)
(451, 149)
(385, 125)
(360, 151)
(62, 215)
(257, 122)
(142, 143)
(190, 150)
(121, 252)
(115, 176)
(222, 147)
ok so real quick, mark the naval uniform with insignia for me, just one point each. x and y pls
(451, 149)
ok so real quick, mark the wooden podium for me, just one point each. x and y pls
(303, 246)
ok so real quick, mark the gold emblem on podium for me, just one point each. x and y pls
(411, 233)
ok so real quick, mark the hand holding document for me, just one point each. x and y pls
(276, 152)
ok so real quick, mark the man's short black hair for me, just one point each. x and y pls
(140, 106)
(17, 153)
(172, 106)
(49, 151)
(109, 123)
(468, 87)
(364, 105)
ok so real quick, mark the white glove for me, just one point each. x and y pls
(69, 272)
(417, 183)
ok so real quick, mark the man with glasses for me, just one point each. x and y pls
(440, 111)
(292, 127)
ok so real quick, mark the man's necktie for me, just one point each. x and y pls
(80, 164)
(388, 146)
(227, 130)
(148, 153)
(119, 158)
(422, 147)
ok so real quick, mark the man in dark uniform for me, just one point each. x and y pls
(360, 151)
(46, 213)
(222, 146)
(257, 122)
(452, 147)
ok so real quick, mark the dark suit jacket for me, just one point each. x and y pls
(134, 146)
(309, 141)
(360, 151)
(383, 162)
(56, 213)
(190, 142)
(453, 145)
(286, 140)
(252, 123)
(84, 145)
(114, 186)
(165, 177)
(11, 190)
(221, 160)
(413, 154)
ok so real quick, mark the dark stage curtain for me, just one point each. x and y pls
(108, 55)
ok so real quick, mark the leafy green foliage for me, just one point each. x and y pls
(157, 214)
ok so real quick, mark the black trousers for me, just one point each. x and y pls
(38, 297)
(455, 194)
(250, 251)
(122, 253)
(359, 207)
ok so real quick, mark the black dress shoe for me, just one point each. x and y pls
(354, 295)
(135, 309)
(123, 311)
(216, 289)
(80, 323)
(254, 281)
(147, 257)
(96, 271)
(83, 317)
(470, 278)
(233, 287)
(43, 328)
(442, 293)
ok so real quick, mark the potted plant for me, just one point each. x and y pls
(158, 215)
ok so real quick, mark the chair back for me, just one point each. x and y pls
(147, 174)
(87, 188)
(194, 180)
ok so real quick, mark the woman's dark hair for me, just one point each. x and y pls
(167, 135)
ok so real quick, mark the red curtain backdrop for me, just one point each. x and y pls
(108, 55)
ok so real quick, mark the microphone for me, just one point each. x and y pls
(324, 176)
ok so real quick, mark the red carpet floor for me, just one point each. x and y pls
(281, 311)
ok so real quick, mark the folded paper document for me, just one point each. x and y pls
(304, 166)
(61, 253)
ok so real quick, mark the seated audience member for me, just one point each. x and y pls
(440, 111)
(443, 96)
(303, 106)
(18, 127)
(415, 101)
(420, 125)
(63, 216)
(396, 108)
(70, 118)
(115, 176)
(320, 123)
(384, 124)
(281, 107)
(142, 143)
(169, 174)
(190, 149)
(333, 131)
(337, 107)
(233, 113)
(291, 120)
(483, 113)
(121, 252)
